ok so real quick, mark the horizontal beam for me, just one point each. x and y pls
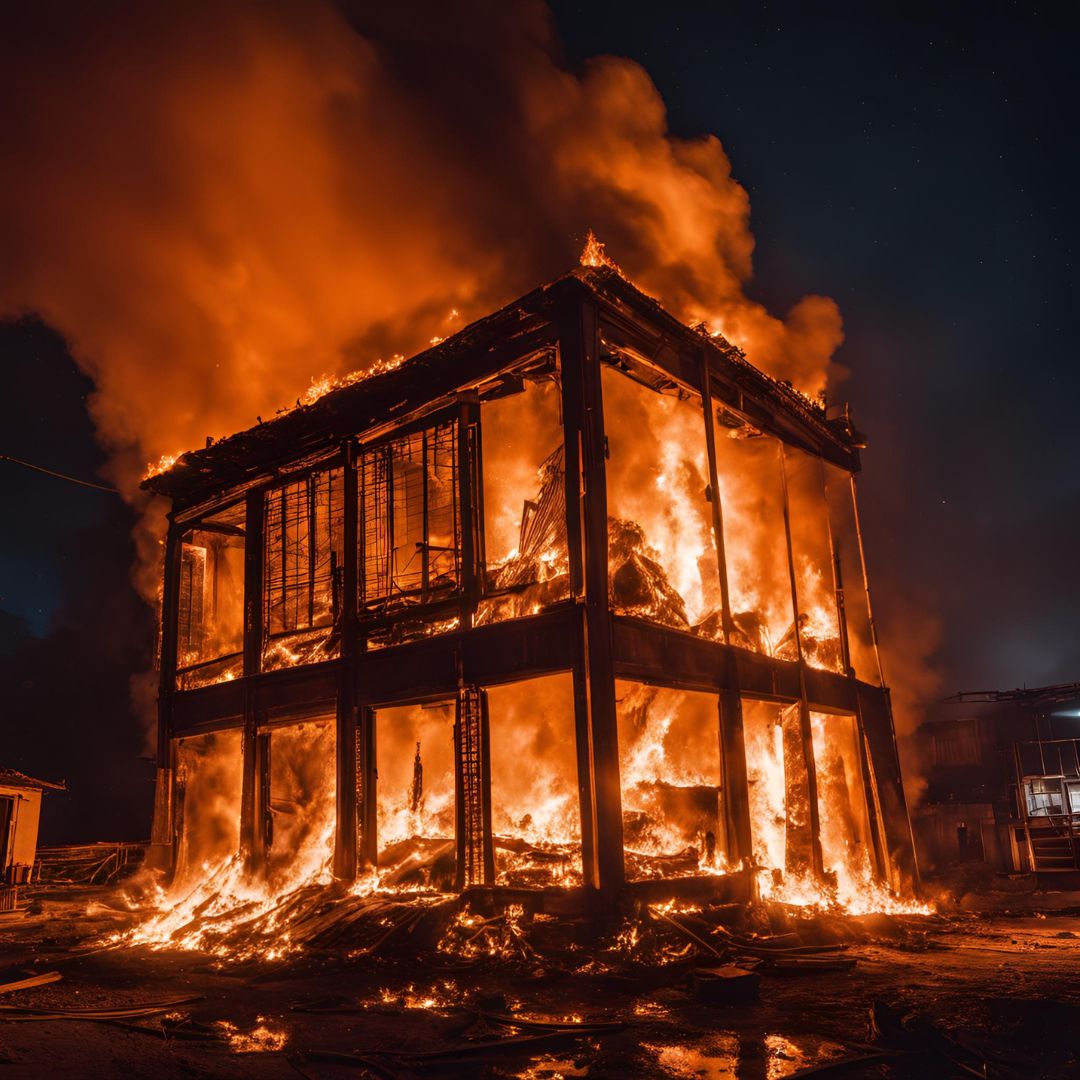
(509, 652)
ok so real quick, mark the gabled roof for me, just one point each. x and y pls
(16, 779)
(389, 395)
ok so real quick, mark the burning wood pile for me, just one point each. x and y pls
(570, 603)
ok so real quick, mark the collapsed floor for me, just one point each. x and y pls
(382, 989)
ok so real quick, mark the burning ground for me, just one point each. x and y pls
(390, 988)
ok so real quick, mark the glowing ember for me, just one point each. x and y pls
(163, 464)
(325, 383)
(260, 1040)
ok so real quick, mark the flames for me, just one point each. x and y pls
(779, 541)
(252, 240)
(594, 255)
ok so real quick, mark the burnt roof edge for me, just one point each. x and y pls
(196, 473)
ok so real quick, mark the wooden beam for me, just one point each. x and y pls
(365, 782)
(791, 760)
(469, 508)
(587, 528)
(163, 828)
(735, 790)
(346, 810)
(251, 831)
(885, 760)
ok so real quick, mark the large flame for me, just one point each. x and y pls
(318, 193)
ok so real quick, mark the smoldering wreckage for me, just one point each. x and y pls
(521, 714)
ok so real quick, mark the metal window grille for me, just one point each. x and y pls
(410, 534)
(304, 527)
(190, 626)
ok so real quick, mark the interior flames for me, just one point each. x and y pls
(716, 530)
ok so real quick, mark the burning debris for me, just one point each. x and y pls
(552, 609)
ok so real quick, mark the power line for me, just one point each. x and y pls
(58, 475)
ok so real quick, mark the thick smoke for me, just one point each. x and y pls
(217, 203)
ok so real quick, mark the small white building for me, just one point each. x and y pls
(20, 812)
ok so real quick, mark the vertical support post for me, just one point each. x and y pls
(485, 789)
(738, 839)
(838, 578)
(468, 485)
(364, 781)
(265, 824)
(804, 708)
(163, 832)
(252, 793)
(345, 836)
(883, 870)
(472, 783)
(901, 795)
(589, 857)
(799, 798)
(587, 532)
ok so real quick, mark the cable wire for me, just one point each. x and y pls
(58, 475)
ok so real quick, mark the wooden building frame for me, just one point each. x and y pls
(575, 325)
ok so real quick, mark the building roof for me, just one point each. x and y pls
(16, 779)
(392, 394)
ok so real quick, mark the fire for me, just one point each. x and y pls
(322, 385)
(163, 464)
(260, 1040)
(593, 254)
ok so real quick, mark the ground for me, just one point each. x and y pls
(1004, 983)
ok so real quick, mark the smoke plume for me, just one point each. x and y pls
(216, 204)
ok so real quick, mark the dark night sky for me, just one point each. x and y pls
(916, 168)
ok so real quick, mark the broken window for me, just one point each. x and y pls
(535, 807)
(410, 527)
(851, 587)
(843, 816)
(778, 780)
(299, 771)
(524, 500)
(208, 786)
(662, 561)
(669, 764)
(755, 542)
(302, 571)
(763, 736)
(210, 601)
(415, 795)
(812, 559)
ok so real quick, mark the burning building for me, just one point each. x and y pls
(575, 597)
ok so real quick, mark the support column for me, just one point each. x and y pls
(805, 730)
(587, 531)
(164, 826)
(345, 743)
(252, 796)
(911, 863)
(738, 839)
(468, 452)
(472, 782)
(364, 781)
(800, 797)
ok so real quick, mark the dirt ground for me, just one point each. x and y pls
(1006, 984)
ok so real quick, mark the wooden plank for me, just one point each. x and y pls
(251, 832)
(345, 743)
(163, 826)
(583, 419)
(806, 759)
(30, 981)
